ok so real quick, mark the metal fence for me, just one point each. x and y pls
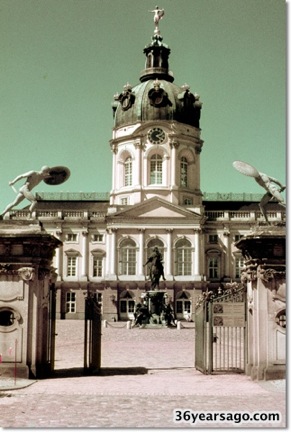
(220, 340)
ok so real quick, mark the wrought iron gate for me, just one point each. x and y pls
(92, 336)
(220, 340)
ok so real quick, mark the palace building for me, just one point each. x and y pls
(155, 201)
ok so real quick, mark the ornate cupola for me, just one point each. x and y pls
(156, 135)
(157, 65)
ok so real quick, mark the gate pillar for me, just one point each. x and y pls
(26, 275)
(92, 338)
(265, 277)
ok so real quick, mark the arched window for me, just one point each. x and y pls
(184, 172)
(127, 261)
(128, 171)
(156, 169)
(183, 258)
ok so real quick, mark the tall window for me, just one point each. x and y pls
(239, 263)
(70, 302)
(184, 172)
(156, 169)
(71, 266)
(183, 258)
(128, 257)
(128, 172)
(213, 269)
(97, 265)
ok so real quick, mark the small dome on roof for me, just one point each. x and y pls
(156, 97)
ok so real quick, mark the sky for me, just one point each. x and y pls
(63, 60)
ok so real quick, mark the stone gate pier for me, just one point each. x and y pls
(265, 275)
(26, 280)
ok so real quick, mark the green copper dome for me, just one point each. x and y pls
(156, 97)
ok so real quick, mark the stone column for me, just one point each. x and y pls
(226, 237)
(137, 169)
(196, 269)
(169, 270)
(114, 149)
(84, 269)
(111, 248)
(174, 167)
(59, 257)
(107, 259)
(140, 270)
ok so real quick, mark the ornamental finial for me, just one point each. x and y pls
(158, 15)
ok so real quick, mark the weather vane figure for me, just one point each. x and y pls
(51, 176)
(158, 15)
(265, 181)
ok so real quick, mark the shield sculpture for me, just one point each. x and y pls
(246, 169)
(58, 175)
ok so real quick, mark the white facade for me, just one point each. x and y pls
(105, 247)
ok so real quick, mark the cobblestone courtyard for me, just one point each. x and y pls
(146, 374)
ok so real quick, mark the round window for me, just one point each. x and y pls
(6, 318)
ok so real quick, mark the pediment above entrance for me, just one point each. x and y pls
(157, 208)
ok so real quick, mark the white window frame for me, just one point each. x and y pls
(98, 265)
(71, 302)
(72, 237)
(156, 169)
(184, 172)
(183, 258)
(98, 238)
(128, 171)
(127, 258)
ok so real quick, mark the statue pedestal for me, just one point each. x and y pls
(160, 312)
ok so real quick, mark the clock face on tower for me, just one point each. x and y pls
(156, 135)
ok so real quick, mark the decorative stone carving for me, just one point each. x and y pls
(126, 98)
(27, 273)
(158, 97)
(269, 273)
(6, 269)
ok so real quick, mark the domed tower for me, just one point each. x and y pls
(156, 141)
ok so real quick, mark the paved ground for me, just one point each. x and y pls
(146, 375)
